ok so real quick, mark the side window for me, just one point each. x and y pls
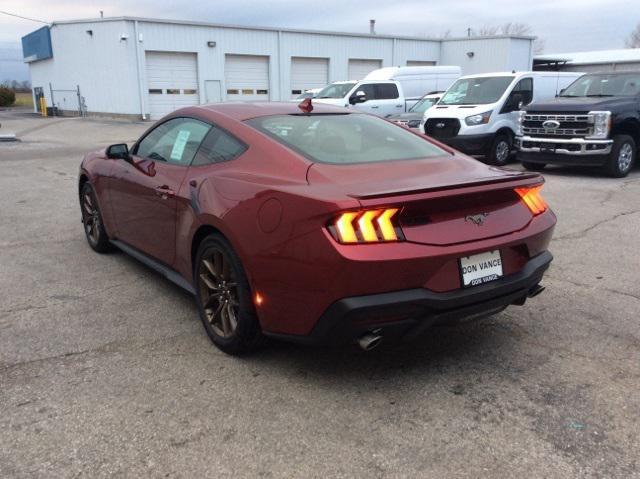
(175, 141)
(368, 89)
(524, 88)
(386, 91)
(218, 146)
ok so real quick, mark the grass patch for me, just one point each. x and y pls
(24, 99)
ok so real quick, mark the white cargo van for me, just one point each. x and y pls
(478, 114)
(389, 91)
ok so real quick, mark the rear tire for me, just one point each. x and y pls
(500, 152)
(224, 298)
(92, 221)
(622, 156)
(533, 166)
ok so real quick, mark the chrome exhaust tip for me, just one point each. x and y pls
(368, 341)
(535, 291)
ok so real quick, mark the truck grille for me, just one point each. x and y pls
(569, 125)
(442, 127)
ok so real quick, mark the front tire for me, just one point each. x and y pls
(622, 157)
(224, 298)
(92, 220)
(500, 150)
(533, 166)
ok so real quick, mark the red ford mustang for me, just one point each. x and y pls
(317, 224)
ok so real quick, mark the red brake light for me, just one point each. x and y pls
(531, 197)
(368, 226)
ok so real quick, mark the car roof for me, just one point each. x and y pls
(246, 110)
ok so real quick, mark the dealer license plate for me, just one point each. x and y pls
(481, 268)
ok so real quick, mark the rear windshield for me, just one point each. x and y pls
(345, 138)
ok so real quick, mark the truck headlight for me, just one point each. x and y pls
(479, 119)
(519, 130)
(601, 124)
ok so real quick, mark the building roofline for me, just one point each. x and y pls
(286, 30)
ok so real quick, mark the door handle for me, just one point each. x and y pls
(373, 107)
(398, 106)
(164, 192)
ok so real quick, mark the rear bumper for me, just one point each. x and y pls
(477, 145)
(406, 314)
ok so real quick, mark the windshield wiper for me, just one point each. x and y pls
(598, 95)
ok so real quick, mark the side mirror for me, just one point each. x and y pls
(119, 151)
(358, 97)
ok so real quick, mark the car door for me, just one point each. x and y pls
(389, 99)
(522, 92)
(143, 190)
(383, 99)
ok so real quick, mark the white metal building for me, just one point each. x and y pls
(146, 68)
(594, 61)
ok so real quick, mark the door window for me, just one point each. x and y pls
(218, 146)
(525, 89)
(386, 91)
(368, 89)
(175, 141)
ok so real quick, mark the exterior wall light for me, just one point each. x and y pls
(211, 44)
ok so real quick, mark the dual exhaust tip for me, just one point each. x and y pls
(369, 340)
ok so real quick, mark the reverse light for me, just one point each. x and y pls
(368, 226)
(531, 197)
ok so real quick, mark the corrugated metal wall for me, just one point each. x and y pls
(103, 65)
(112, 77)
(484, 55)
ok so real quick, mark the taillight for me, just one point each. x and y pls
(367, 226)
(531, 197)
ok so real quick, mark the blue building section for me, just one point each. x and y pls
(37, 45)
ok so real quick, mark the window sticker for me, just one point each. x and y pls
(180, 143)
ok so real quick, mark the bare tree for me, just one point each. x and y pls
(511, 28)
(446, 34)
(486, 31)
(633, 40)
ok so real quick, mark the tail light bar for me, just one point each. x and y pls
(531, 197)
(366, 226)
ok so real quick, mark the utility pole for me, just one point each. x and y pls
(469, 31)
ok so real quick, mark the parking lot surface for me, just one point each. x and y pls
(105, 368)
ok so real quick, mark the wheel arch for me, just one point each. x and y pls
(200, 234)
(81, 182)
(631, 127)
(505, 130)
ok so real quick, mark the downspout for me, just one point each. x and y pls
(280, 78)
(138, 69)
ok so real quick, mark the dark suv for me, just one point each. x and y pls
(595, 121)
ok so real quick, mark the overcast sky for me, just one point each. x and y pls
(565, 25)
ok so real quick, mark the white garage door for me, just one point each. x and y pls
(358, 69)
(308, 73)
(247, 77)
(172, 80)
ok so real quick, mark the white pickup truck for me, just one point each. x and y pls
(388, 91)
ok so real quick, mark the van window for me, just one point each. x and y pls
(525, 89)
(476, 91)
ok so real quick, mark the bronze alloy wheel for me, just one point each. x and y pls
(91, 216)
(219, 293)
